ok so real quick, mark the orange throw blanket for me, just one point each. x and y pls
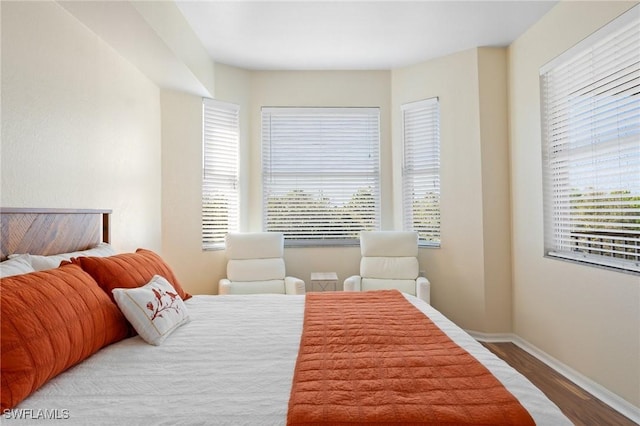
(374, 358)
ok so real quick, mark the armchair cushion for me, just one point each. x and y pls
(353, 283)
(254, 245)
(255, 269)
(251, 287)
(256, 265)
(396, 268)
(423, 287)
(294, 285)
(389, 260)
(388, 244)
(405, 286)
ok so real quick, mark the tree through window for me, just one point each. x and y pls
(321, 173)
(591, 148)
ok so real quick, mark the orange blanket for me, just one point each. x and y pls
(373, 357)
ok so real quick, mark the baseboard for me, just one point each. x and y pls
(493, 337)
(605, 395)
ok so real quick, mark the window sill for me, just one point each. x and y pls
(214, 248)
(584, 260)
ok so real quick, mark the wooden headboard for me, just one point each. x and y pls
(51, 231)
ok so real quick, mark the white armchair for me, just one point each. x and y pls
(389, 261)
(256, 265)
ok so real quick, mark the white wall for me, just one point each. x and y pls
(586, 317)
(80, 125)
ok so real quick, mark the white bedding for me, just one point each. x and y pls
(231, 365)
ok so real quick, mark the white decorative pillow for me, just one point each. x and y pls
(41, 263)
(155, 310)
(17, 265)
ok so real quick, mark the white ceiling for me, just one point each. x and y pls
(322, 35)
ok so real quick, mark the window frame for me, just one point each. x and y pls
(227, 182)
(268, 173)
(584, 215)
(431, 167)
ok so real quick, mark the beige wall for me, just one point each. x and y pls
(320, 88)
(456, 268)
(234, 85)
(83, 128)
(80, 125)
(496, 202)
(586, 317)
(470, 272)
(182, 160)
(198, 270)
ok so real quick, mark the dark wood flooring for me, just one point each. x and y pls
(578, 405)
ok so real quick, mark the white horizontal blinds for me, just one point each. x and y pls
(591, 132)
(220, 172)
(321, 173)
(421, 170)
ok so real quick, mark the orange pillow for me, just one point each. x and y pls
(128, 270)
(51, 320)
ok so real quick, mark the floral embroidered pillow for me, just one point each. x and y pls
(155, 310)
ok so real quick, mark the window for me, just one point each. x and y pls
(321, 173)
(591, 148)
(220, 134)
(421, 170)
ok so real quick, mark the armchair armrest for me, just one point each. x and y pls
(224, 286)
(294, 285)
(423, 289)
(353, 283)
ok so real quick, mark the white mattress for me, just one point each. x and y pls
(231, 365)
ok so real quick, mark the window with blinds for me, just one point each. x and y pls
(321, 173)
(220, 195)
(421, 170)
(590, 98)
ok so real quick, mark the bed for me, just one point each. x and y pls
(231, 363)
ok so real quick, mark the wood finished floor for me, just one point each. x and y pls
(578, 405)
